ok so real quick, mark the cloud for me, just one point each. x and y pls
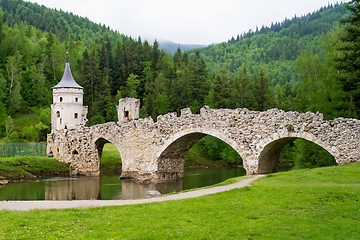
(186, 21)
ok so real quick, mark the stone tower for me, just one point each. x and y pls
(128, 109)
(67, 110)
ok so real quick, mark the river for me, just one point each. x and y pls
(109, 187)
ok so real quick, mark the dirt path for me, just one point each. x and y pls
(30, 205)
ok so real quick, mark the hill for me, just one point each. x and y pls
(274, 48)
(62, 24)
(256, 70)
(172, 47)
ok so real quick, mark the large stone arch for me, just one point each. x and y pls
(171, 157)
(269, 155)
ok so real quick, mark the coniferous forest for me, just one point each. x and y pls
(308, 63)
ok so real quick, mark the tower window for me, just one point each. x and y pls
(126, 114)
(76, 99)
(58, 114)
(75, 115)
(60, 121)
(61, 99)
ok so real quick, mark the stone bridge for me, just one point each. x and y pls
(156, 150)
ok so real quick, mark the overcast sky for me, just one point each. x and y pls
(187, 21)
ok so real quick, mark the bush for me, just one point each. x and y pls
(30, 134)
(14, 136)
(97, 119)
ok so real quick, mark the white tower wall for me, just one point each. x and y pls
(67, 110)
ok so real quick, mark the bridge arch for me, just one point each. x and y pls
(99, 147)
(270, 154)
(171, 157)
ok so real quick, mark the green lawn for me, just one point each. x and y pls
(321, 203)
(22, 167)
(110, 160)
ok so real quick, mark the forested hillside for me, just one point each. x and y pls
(298, 57)
(62, 24)
(293, 65)
(274, 48)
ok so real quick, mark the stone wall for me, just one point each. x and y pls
(156, 150)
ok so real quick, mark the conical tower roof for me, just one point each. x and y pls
(67, 80)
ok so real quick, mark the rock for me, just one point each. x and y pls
(4, 182)
(152, 193)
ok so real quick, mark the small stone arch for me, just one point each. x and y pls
(270, 154)
(170, 159)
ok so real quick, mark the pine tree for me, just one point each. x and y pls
(1, 29)
(247, 98)
(155, 54)
(199, 80)
(262, 91)
(120, 72)
(348, 60)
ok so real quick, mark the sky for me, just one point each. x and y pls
(187, 21)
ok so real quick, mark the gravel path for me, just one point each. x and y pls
(30, 205)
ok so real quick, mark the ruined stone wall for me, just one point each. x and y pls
(128, 109)
(157, 150)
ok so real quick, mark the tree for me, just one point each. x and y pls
(309, 68)
(247, 98)
(348, 60)
(9, 124)
(1, 29)
(132, 85)
(161, 104)
(155, 54)
(181, 89)
(263, 95)
(13, 70)
(199, 79)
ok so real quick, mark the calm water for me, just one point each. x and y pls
(109, 187)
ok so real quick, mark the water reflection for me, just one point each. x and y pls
(84, 188)
(131, 189)
(109, 187)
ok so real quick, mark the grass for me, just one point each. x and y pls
(224, 183)
(321, 203)
(22, 167)
(111, 159)
(197, 156)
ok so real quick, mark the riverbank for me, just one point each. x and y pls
(27, 167)
(303, 204)
(238, 182)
